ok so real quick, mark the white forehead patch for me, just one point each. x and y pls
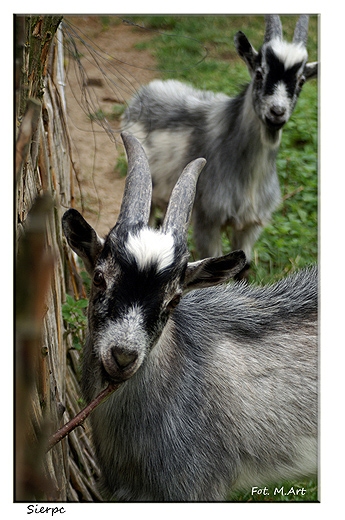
(289, 53)
(151, 247)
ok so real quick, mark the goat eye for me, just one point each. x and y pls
(174, 302)
(301, 81)
(98, 279)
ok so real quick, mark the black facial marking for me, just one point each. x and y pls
(145, 288)
(277, 73)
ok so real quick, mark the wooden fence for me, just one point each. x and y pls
(47, 392)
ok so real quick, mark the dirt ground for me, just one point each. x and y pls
(109, 72)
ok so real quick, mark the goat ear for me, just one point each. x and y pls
(245, 50)
(82, 238)
(213, 271)
(311, 70)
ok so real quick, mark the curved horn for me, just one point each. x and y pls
(273, 28)
(136, 201)
(301, 30)
(181, 201)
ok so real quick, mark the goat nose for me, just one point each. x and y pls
(123, 359)
(277, 110)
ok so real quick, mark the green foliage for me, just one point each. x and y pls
(73, 312)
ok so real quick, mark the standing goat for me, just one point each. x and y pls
(239, 137)
(219, 386)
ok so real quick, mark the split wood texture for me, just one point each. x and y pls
(47, 366)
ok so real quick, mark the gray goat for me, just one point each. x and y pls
(219, 385)
(239, 137)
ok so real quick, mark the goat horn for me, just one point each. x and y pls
(180, 206)
(136, 201)
(301, 30)
(273, 27)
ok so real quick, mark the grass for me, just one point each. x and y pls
(200, 50)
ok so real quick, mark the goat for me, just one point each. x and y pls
(239, 137)
(219, 385)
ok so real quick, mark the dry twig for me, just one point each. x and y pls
(79, 419)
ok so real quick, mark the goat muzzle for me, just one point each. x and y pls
(119, 364)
